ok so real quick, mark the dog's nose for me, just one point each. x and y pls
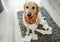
(29, 14)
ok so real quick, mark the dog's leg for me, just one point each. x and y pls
(28, 31)
(33, 32)
(33, 35)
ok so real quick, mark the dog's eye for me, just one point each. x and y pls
(27, 7)
(33, 7)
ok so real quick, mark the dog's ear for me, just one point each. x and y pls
(24, 5)
(38, 8)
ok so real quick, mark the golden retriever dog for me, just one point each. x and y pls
(31, 17)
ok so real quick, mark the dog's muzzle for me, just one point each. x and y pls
(29, 14)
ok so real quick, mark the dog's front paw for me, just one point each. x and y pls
(27, 39)
(34, 36)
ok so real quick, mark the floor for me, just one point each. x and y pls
(54, 37)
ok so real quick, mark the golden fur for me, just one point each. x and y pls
(35, 12)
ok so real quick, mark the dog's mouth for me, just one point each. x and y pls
(30, 17)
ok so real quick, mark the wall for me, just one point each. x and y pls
(1, 8)
(53, 7)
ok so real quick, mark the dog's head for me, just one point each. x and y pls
(31, 10)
